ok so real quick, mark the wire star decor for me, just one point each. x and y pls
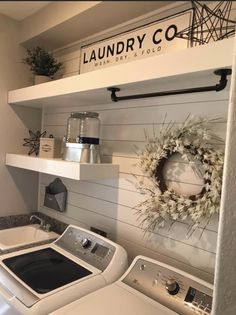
(209, 23)
(33, 141)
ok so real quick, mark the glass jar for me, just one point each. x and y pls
(89, 128)
(73, 127)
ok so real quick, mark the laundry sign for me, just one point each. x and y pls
(157, 38)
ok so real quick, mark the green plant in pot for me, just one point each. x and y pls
(42, 64)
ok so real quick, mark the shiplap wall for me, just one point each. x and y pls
(110, 204)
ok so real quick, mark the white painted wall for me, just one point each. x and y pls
(225, 275)
(18, 189)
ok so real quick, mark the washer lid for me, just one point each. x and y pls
(45, 270)
(114, 300)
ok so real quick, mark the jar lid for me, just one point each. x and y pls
(89, 114)
(76, 115)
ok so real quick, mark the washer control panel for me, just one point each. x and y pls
(87, 246)
(177, 290)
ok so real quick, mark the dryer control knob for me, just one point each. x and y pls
(172, 287)
(85, 242)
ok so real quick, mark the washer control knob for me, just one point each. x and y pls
(85, 242)
(172, 287)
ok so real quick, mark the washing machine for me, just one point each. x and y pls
(148, 287)
(38, 280)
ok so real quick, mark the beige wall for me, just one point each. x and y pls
(18, 188)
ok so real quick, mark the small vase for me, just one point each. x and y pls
(38, 79)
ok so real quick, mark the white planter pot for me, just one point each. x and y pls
(38, 79)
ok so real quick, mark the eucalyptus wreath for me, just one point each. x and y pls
(190, 139)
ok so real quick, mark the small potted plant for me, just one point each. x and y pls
(42, 64)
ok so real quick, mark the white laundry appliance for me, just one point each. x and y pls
(38, 280)
(148, 287)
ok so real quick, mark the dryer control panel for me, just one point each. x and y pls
(177, 290)
(88, 246)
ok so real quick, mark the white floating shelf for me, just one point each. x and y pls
(58, 167)
(75, 24)
(144, 76)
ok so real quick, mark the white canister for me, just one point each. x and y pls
(49, 148)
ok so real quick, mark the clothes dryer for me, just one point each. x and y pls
(148, 287)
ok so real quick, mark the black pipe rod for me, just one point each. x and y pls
(218, 87)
